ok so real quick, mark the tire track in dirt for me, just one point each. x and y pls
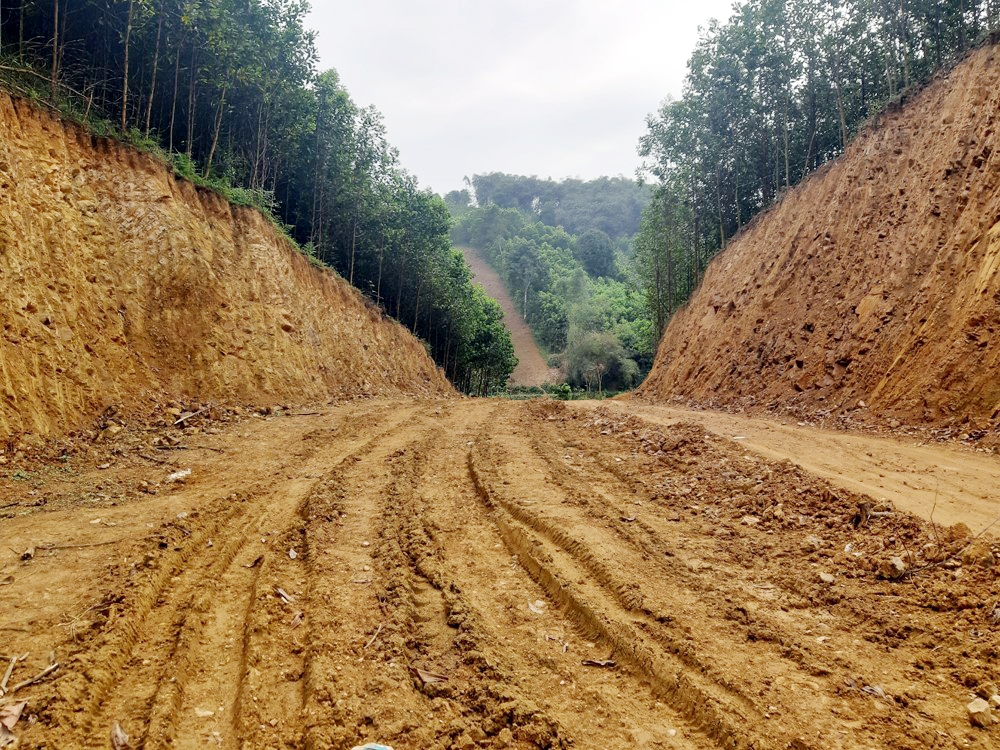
(330, 592)
(534, 655)
(271, 684)
(606, 608)
(186, 614)
(747, 539)
(365, 607)
(600, 505)
(445, 635)
(362, 678)
(446, 567)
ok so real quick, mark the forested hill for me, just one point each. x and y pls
(612, 205)
(578, 293)
(227, 92)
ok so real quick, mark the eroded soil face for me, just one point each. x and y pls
(868, 294)
(458, 573)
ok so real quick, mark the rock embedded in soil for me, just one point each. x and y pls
(979, 553)
(892, 568)
(980, 714)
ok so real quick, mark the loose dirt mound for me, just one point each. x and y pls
(875, 281)
(467, 573)
(531, 367)
(121, 283)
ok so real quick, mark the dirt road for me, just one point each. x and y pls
(942, 482)
(531, 367)
(472, 573)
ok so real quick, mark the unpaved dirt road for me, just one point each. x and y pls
(531, 367)
(946, 483)
(474, 573)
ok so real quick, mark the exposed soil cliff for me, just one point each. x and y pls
(874, 281)
(121, 283)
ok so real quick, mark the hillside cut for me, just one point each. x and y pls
(123, 283)
(874, 281)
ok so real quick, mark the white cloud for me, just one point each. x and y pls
(555, 88)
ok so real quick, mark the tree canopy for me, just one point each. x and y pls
(612, 205)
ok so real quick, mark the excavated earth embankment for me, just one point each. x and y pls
(875, 281)
(123, 283)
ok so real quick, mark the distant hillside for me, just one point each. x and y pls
(875, 281)
(124, 285)
(612, 205)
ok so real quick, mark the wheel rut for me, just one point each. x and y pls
(181, 686)
(485, 574)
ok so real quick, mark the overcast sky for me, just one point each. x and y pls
(554, 88)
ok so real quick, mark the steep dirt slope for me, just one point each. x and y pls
(874, 281)
(531, 367)
(121, 283)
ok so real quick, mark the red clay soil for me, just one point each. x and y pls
(124, 287)
(870, 293)
(531, 367)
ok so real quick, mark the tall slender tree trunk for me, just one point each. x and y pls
(54, 73)
(318, 174)
(192, 97)
(696, 238)
(268, 170)
(668, 226)
(788, 170)
(736, 191)
(841, 115)
(173, 100)
(258, 153)
(127, 45)
(718, 199)
(658, 282)
(217, 127)
(152, 79)
(447, 354)
(904, 40)
(399, 289)
(416, 307)
(354, 242)
(63, 18)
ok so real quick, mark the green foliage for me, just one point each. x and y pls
(612, 205)
(598, 360)
(769, 96)
(600, 326)
(596, 252)
(226, 93)
(458, 202)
